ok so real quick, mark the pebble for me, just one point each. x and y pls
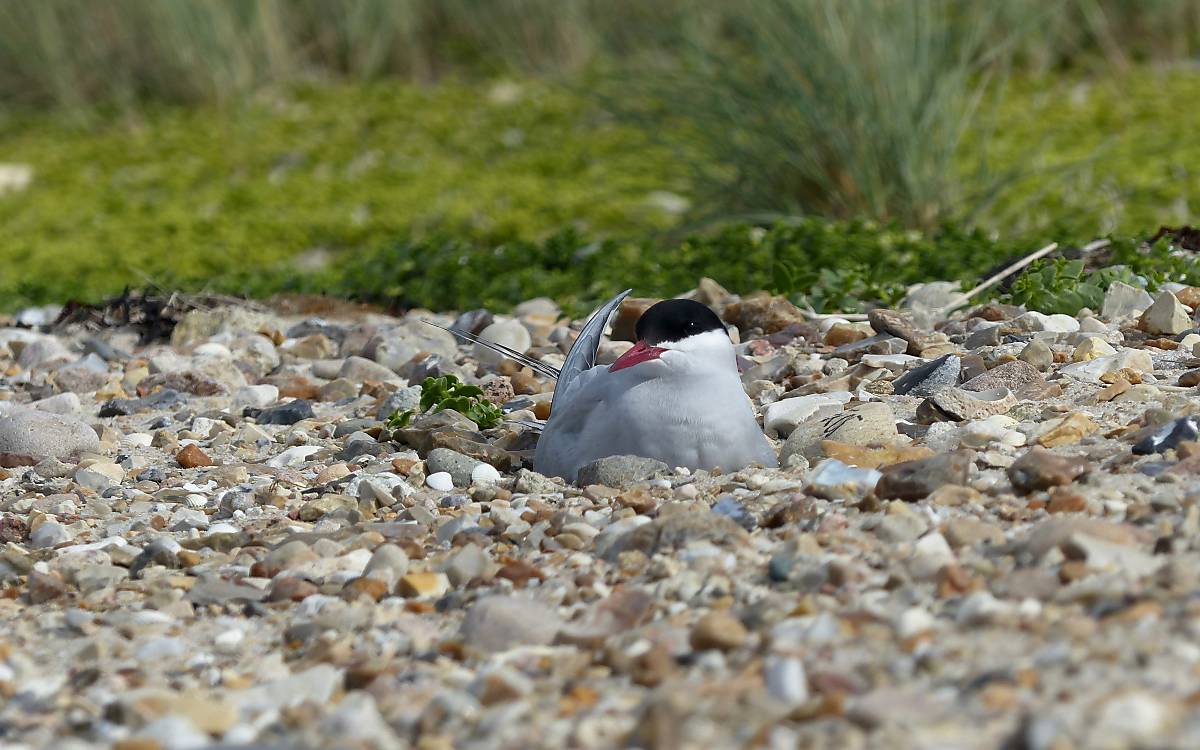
(928, 379)
(1166, 316)
(423, 584)
(620, 471)
(458, 466)
(869, 424)
(99, 476)
(49, 534)
(1039, 469)
(1014, 376)
(310, 589)
(1124, 301)
(959, 404)
(508, 333)
(256, 396)
(718, 630)
(441, 481)
(496, 624)
(915, 480)
(42, 434)
(835, 480)
(1037, 353)
(286, 414)
(192, 457)
(361, 370)
(1169, 436)
(783, 416)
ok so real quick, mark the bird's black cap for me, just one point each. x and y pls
(675, 320)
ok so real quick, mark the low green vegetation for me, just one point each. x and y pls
(1063, 285)
(468, 195)
(252, 199)
(448, 392)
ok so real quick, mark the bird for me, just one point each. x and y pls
(675, 396)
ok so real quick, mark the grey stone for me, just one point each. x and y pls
(1123, 301)
(915, 480)
(674, 531)
(458, 466)
(499, 623)
(387, 563)
(1011, 375)
(468, 563)
(404, 399)
(49, 534)
(1166, 317)
(360, 369)
(41, 434)
(988, 335)
(620, 471)
(167, 398)
(1038, 354)
(508, 333)
(960, 404)
(929, 378)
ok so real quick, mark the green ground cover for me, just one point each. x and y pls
(458, 194)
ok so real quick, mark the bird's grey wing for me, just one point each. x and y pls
(583, 352)
(536, 365)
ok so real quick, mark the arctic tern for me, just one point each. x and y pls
(675, 396)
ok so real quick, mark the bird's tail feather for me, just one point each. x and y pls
(536, 365)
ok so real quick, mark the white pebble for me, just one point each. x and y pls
(441, 481)
(484, 474)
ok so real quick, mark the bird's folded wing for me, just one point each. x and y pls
(583, 352)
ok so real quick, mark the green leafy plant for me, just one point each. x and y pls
(448, 392)
(1063, 285)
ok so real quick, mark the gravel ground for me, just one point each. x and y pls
(983, 534)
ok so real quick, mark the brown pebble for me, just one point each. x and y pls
(1190, 378)
(372, 588)
(1108, 393)
(137, 743)
(952, 580)
(1164, 344)
(187, 557)
(653, 667)
(1187, 449)
(640, 501)
(1128, 374)
(1073, 570)
(291, 589)
(1039, 469)
(1189, 295)
(192, 457)
(718, 630)
(520, 573)
(788, 514)
(404, 465)
(843, 333)
(1066, 501)
(423, 584)
(44, 587)
(525, 384)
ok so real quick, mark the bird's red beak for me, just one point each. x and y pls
(641, 352)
